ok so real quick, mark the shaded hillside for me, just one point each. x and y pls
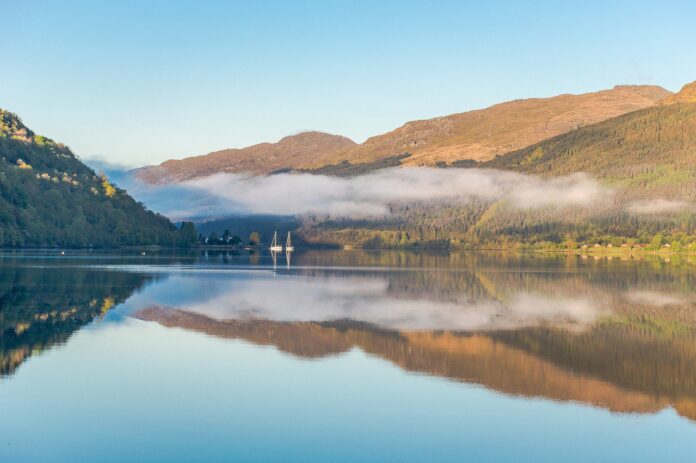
(483, 134)
(349, 169)
(291, 152)
(49, 198)
(244, 226)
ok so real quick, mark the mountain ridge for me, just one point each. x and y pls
(483, 133)
(477, 135)
(255, 159)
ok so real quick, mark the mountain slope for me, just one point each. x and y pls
(476, 135)
(646, 161)
(481, 135)
(289, 153)
(650, 152)
(49, 198)
(686, 95)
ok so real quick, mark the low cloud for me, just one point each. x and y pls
(363, 196)
(656, 206)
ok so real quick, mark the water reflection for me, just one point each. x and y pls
(617, 335)
(620, 335)
(526, 363)
(41, 307)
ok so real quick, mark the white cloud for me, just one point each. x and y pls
(656, 206)
(366, 195)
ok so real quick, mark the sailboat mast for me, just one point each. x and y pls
(288, 244)
(274, 244)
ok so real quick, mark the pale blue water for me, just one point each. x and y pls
(134, 385)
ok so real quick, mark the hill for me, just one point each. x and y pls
(289, 153)
(481, 135)
(49, 198)
(475, 135)
(651, 152)
(646, 159)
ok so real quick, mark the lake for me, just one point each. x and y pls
(346, 356)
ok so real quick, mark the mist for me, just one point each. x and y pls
(362, 196)
(657, 206)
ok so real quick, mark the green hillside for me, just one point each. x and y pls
(645, 155)
(49, 198)
(652, 151)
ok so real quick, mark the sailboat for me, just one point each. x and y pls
(275, 247)
(288, 244)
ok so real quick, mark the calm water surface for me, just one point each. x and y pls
(346, 356)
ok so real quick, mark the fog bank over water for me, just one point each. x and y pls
(361, 196)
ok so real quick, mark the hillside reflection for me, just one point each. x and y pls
(620, 335)
(616, 334)
(42, 307)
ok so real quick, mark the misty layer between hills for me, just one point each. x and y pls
(371, 195)
(362, 196)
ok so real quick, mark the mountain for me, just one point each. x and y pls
(49, 198)
(481, 135)
(645, 160)
(475, 135)
(651, 151)
(291, 152)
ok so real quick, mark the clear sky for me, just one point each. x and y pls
(138, 82)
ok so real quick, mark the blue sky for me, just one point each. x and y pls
(138, 82)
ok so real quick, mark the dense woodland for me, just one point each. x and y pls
(49, 198)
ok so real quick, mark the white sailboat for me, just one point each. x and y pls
(288, 244)
(275, 247)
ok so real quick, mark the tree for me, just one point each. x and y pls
(254, 238)
(656, 242)
(187, 234)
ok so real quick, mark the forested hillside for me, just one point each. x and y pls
(49, 198)
(651, 152)
(646, 160)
